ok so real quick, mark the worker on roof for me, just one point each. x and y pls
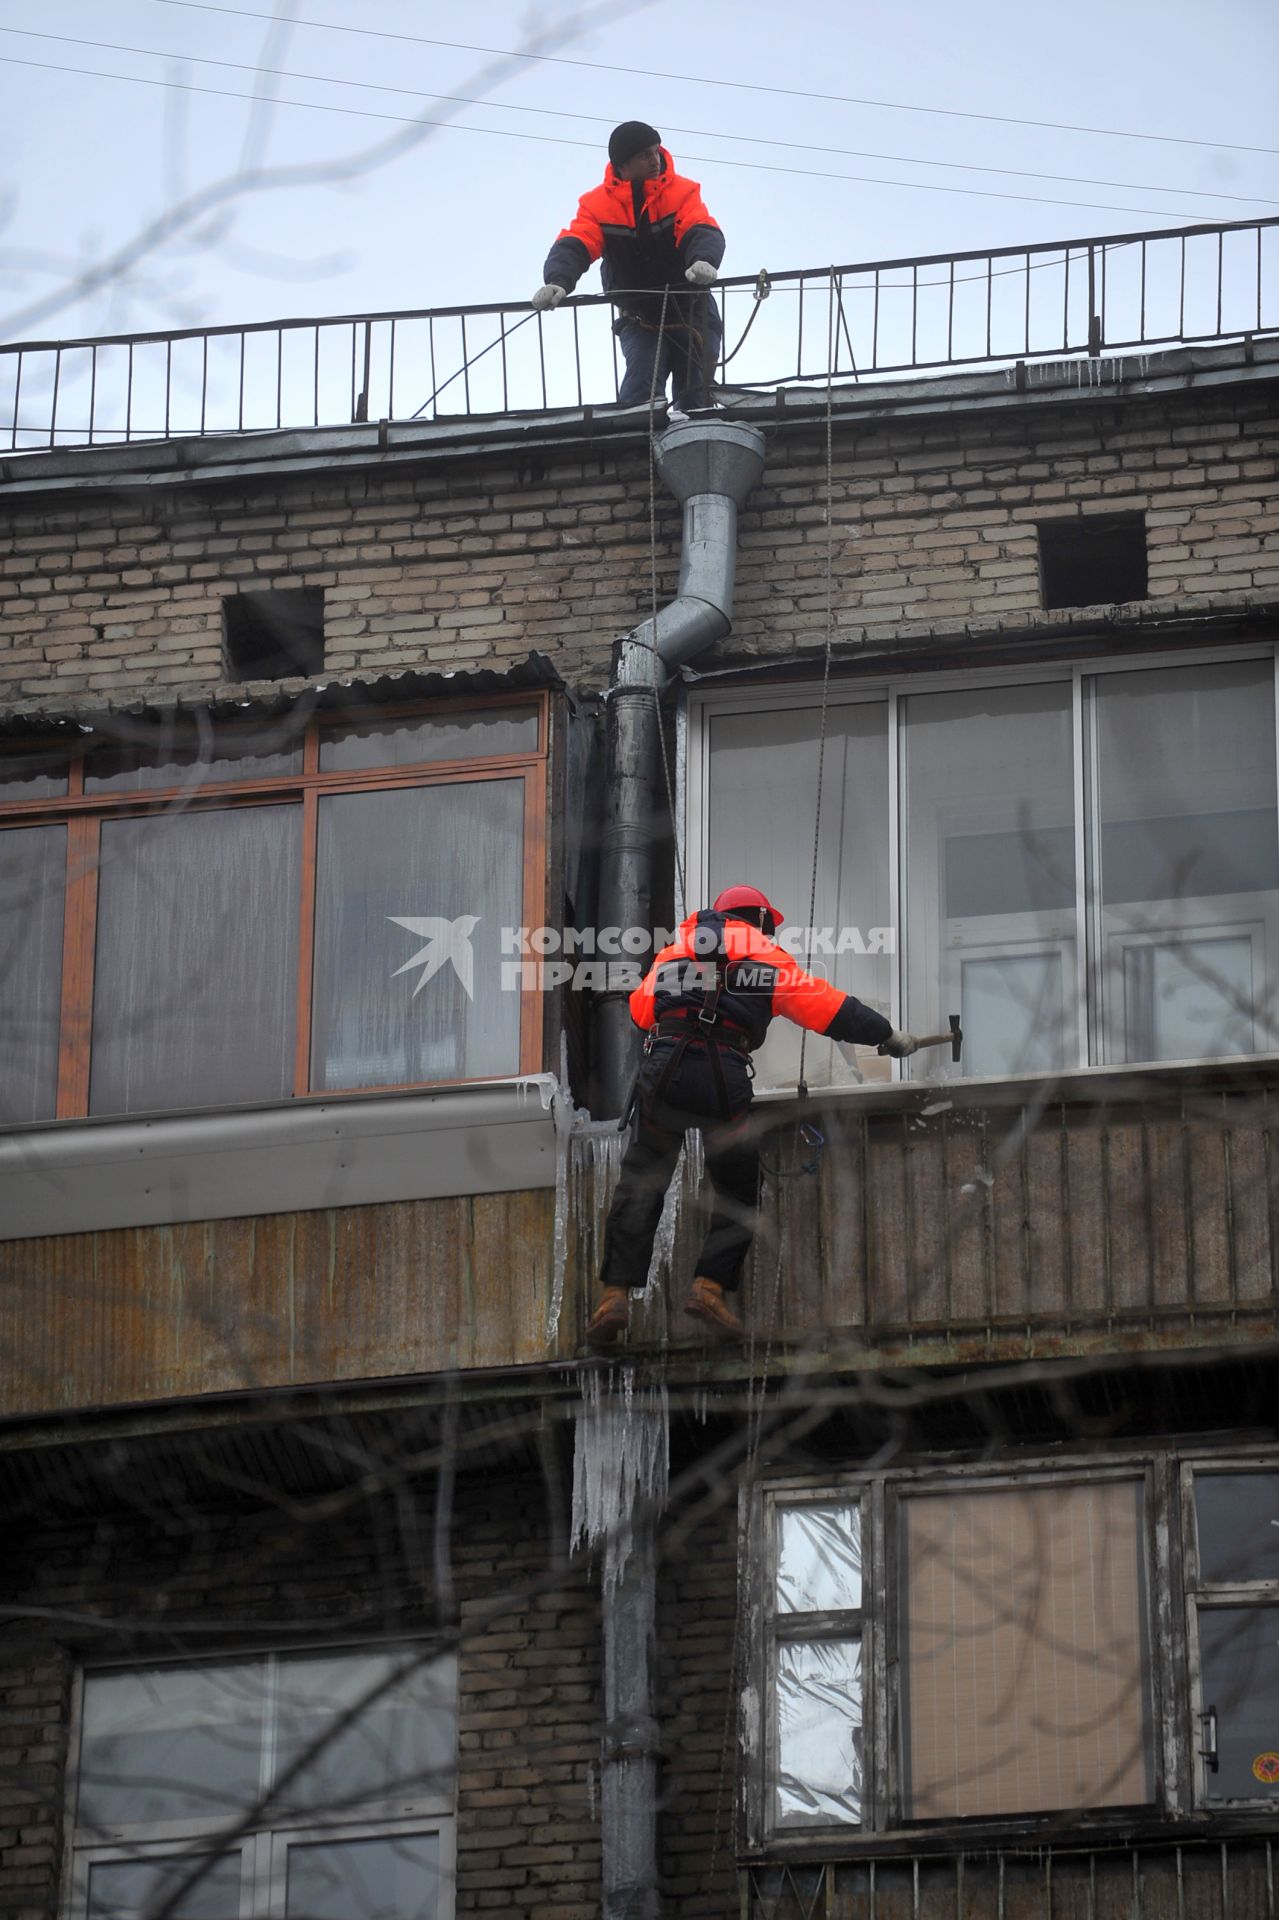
(655, 235)
(705, 1004)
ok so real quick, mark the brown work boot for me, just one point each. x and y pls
(608, 1322)
(706, 1303)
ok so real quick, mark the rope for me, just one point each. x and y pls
(469, 362)
(830, 626)
(755, 1430)
(652, 575)
(763, 287)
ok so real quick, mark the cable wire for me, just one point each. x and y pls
(557, 140)
(741, 86)
(603, 120)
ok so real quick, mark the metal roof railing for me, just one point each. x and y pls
(1119, 293)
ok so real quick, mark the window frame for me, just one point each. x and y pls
(832, 1624)
(263, 1851)
(1162, 1474)
(1206, 1596)
(85, 814)
(1086, 993)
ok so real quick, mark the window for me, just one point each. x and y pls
(758, 799)
(948, 1646)
(1015, 1670)
(1083, 864)
(197, 918)
(1093, 561)
(1233, 1519)
(311, 1784)
(273, 636)
(1023, 1650)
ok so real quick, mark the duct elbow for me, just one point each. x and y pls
(688, 625)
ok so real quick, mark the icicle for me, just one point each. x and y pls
(621, 1458)
(543, 1084)
(563, 1116)
(568, 1121)
(681, 1194)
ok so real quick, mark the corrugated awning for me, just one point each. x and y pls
(534, 673)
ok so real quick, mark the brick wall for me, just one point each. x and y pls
(189, 1577)
(697, 1709)
(528, 1840)
(105, 596)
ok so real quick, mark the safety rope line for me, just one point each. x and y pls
(652, 575)
(661, 326)
(756, 1400)
(757, 1395)
(830, 628)
(763, 287)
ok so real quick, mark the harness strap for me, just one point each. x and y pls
(670, 1025)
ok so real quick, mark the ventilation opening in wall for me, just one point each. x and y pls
(273, 636)
(1094, 561)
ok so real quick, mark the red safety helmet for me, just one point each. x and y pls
(732, 897)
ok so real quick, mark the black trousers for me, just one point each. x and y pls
(732, 1161)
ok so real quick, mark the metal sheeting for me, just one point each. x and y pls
(958, 1224)
(75, 1177)
(77, 721)
(1148, 1881)
(337, 1294)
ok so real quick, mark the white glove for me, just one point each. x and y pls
(547, 298)
(701, 274)
(898, 1046)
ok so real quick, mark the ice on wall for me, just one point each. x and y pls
(588, 1161)
(621, 1460)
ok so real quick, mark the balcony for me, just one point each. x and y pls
(1133, 1212)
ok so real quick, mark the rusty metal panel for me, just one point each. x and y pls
(1169, 1213)
(1046, 1242)
(925, 1227)
(888, 1201)
(1126, 1196)
(1250, 1208)
(1083, 1218)
(1232, 1879)
(844, 1200)
(140, 1314)
(947, 1222)
(968, 1225)
(1211, 1280)
(1011, 1278)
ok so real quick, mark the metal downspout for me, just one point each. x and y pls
(710, 467)
(632, 1754)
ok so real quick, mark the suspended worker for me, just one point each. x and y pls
(705, 1005)
(657, 241)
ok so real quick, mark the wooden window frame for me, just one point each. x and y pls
(84, 814)
(879, 1622)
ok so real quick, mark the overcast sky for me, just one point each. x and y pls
(466, 214)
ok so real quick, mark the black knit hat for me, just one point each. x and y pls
(629, 139)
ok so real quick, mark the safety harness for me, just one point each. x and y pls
(704, 1028)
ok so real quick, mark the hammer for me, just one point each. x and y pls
(954, 1039)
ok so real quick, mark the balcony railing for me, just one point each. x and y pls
(1218, 1876)
(1123, 293)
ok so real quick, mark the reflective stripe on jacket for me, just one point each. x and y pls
(760, 979)
(673, 230)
